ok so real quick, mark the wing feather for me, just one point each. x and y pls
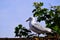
(38, 26)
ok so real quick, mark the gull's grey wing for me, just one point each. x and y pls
(38, 26)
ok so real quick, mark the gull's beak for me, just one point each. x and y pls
(27, 20)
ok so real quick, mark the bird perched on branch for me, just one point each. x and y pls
(36, 27)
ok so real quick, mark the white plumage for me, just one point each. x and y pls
(36, 27)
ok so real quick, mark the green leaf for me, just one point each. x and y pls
(36, 14)
(41, 18)
(41, 4)
(44, 9)
(17, 29)
(34, 10)
(20, 26)
(47, 16)
(23, 33)
(38, 19)
(55, 28)
(51, 12)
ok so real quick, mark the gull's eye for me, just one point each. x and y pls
(30, 18)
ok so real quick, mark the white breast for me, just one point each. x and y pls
(32, 28)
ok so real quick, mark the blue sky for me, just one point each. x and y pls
(14, 12)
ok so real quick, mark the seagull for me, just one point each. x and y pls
(36, 27)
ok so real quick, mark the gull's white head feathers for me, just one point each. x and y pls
(30, 19)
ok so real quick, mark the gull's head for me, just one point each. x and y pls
(30, 19)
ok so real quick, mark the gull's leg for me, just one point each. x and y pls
(45, 34)
(38, 35)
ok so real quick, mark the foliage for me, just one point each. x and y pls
(50, 16)
(21, 31)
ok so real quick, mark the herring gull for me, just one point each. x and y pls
(36, 27)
